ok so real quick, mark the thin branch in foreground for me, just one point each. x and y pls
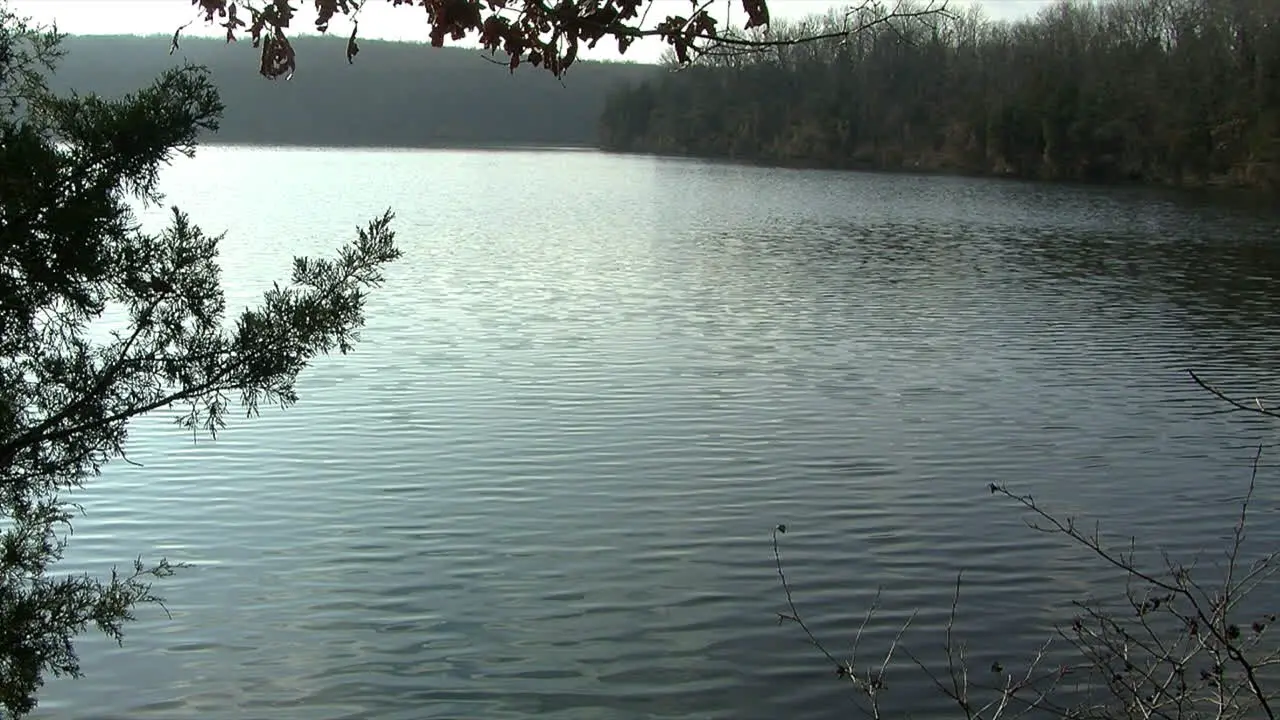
(1202, 625)
(1254, 406)
(870, 685)
(1172, 646)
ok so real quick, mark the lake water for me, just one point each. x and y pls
(544, 483)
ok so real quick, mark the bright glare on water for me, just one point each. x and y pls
(544, 483)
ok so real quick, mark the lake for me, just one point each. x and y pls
(544, 484)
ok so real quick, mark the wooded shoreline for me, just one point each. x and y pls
(1213, 184)
(1158, 92)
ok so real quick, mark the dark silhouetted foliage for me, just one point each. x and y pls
(101, 322)
(534, 32)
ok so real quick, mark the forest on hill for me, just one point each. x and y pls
(1163, 91)
(395, 94)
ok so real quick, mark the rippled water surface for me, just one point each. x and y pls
(545, 482)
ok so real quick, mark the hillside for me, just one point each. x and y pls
(396, 94)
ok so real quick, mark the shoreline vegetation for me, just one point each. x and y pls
(1254, 197)
(1181, 93)
(1139, 93)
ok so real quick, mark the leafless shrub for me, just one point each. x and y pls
(1180, 642)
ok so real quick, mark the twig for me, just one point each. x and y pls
(1256, 407)
(791, 603)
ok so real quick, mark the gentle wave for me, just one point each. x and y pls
(544, 484)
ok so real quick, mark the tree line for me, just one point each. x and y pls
(1163, 91)
(395, 95)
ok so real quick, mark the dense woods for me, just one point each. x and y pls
(1168, 91)
(398, 94)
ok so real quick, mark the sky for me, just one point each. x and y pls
(380, 20)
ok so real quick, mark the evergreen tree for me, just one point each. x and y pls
(72, 256)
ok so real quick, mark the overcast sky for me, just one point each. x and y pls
(379, 19)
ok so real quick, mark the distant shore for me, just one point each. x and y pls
(451, 98)
(1214, 184)
(471, 146)
(1108, 92)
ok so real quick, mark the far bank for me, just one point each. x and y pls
(1239, 183)
(1181, 93)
